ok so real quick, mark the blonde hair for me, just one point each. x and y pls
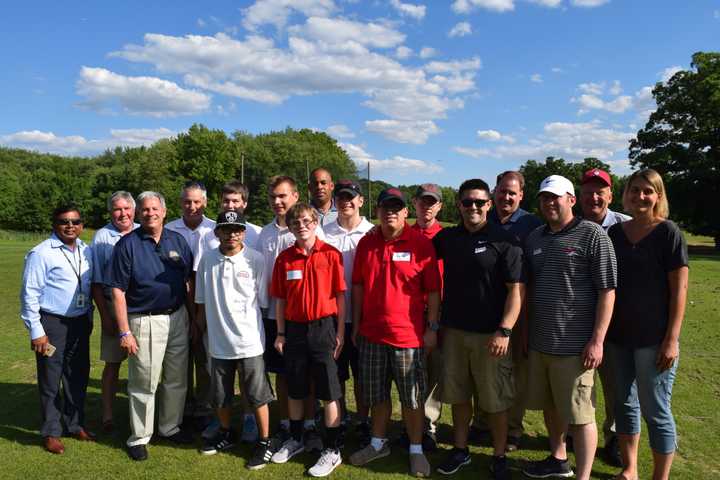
(297, 210)
(661, 209)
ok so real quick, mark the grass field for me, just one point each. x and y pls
(696, 404)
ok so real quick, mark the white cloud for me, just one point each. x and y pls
(454, 66)
(591, 102)
(278, 12)
(494, 136)
(460, 29)
(466, 6)
(557, 70)
(408, 9)
(716, 14)
(536, 78)
(402, 52)
(403, 131)
(644, 103)
(588, 3)
(339, 31)
(427, 52)
(548, 3)
(48, 142)
(592, 88)
(103, 90)
(616, 88)
(668, 73)
(398, 165)
(339, 131)
(201, 23)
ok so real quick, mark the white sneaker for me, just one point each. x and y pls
(329, 460)
(288, 450)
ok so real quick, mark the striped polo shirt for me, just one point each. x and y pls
(566, 270)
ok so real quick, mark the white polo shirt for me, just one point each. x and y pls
(347, 241)
(193, 237)
(233, 289)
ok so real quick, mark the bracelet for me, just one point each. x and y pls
(125, 334)
(280, 334)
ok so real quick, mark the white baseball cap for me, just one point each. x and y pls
(557, 185)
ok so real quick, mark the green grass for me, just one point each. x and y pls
(696, 401)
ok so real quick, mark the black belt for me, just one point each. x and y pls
(167, 311)
(63, 317)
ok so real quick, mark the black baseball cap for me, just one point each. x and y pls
(347, 186)
(231, 218)
(391, 193)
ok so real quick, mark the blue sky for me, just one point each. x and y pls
(440, 91)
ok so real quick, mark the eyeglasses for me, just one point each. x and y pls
(478, 202)
(302, 223)
(68, 221)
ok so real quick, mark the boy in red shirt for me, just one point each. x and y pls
(308, 283)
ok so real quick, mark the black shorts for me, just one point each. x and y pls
(309, 358)
(274, 362)
(348, 358)
(253, 381)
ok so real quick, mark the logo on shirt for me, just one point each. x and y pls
(243, 274)
(570, 252)
(480, 249)
(401, 256)
(294, 275)
(173, 255)
(537, 251)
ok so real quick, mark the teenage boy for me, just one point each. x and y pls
(308, 284)
(231, 286)
(345, 234)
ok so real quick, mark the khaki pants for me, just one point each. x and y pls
(160, 365)
(433, 404)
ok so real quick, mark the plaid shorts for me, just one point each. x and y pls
(380, 364)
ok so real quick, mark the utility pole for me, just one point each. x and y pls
(242, 168)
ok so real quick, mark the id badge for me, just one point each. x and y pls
(81, 300)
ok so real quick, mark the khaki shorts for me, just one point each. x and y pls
(468, 367)
(110, 350)
(562, 383)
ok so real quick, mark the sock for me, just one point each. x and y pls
(285, 424)
(416, 448)
(309, 423)
(377, 443)
(331, 436)
(296, 430)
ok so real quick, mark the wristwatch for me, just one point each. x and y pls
(505, 332)
(433, 326)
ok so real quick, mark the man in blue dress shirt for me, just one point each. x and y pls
(56, 308)
(150, 278)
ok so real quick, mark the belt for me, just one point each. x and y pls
(166, 311)
(63, 317)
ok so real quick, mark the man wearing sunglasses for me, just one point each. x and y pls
(483, 290)
(55, 306)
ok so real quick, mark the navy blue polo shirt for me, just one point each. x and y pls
(152, 275)
(520, 223)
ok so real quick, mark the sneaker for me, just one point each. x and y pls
(289, 449)
(261, 456)
(513, 443)
(457, 458)
(224, 440)
(363, 433)
(368, 454)
(550, 467)
(281, 436)
(329, 460)
(419, 465)
(499, 468)
(250, 432)
(312, 440)
(211, 430)
(611, 452)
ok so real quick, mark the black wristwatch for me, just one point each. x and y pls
(505, 332)
(280, 334)
(433, 326)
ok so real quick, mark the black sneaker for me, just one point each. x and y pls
(611, 452)
(182, 437)
(457, 458)
(281, 436)
(224, 440)
(261, 456)
(138, 452)
(499, 468)
(550, 467)
(363, 432)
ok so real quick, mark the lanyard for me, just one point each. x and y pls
(77, 271)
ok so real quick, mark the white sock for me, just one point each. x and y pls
(285, 423)
(416, 448)
(309, 424)
(377, 443)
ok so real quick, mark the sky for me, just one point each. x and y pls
(421, 91)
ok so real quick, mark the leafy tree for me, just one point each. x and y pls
(681, 140)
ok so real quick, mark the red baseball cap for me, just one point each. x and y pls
(598, 174)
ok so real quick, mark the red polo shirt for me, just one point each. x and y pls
(396, 275)
(308, 283)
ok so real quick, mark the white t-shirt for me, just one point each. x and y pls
(233, 289)
(193, 237)
(347, 241)
(272, 241)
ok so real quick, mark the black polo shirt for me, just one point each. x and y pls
(477, 267)
(152, 275)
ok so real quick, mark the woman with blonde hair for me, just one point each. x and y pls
(645, 329)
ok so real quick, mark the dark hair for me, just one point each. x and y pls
(279, 179)
(64, 208)
(511, 174)
(320, 169)
(298, 209)
(235, 186)
(473, 184)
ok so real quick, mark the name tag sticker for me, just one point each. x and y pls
(294, 274)
(401, 256)
(243, 274)
(480, 249)
(537, 251)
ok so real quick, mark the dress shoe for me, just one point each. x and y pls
(83, 435)
(182, 437)
(138, 452)
(54, 445)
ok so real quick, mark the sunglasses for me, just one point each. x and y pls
(68, 221)
(478, 202)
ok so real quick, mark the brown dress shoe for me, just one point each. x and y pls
(54, 445)
(83, 435)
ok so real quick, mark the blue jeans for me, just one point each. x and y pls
(641, 389)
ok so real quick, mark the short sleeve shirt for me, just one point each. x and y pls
(478, 267)
(520, 223)
(193, 237)
(102, 246)
(642, 298)
(309, 283)
(396, 275)
(566, 271)
(152, 275)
